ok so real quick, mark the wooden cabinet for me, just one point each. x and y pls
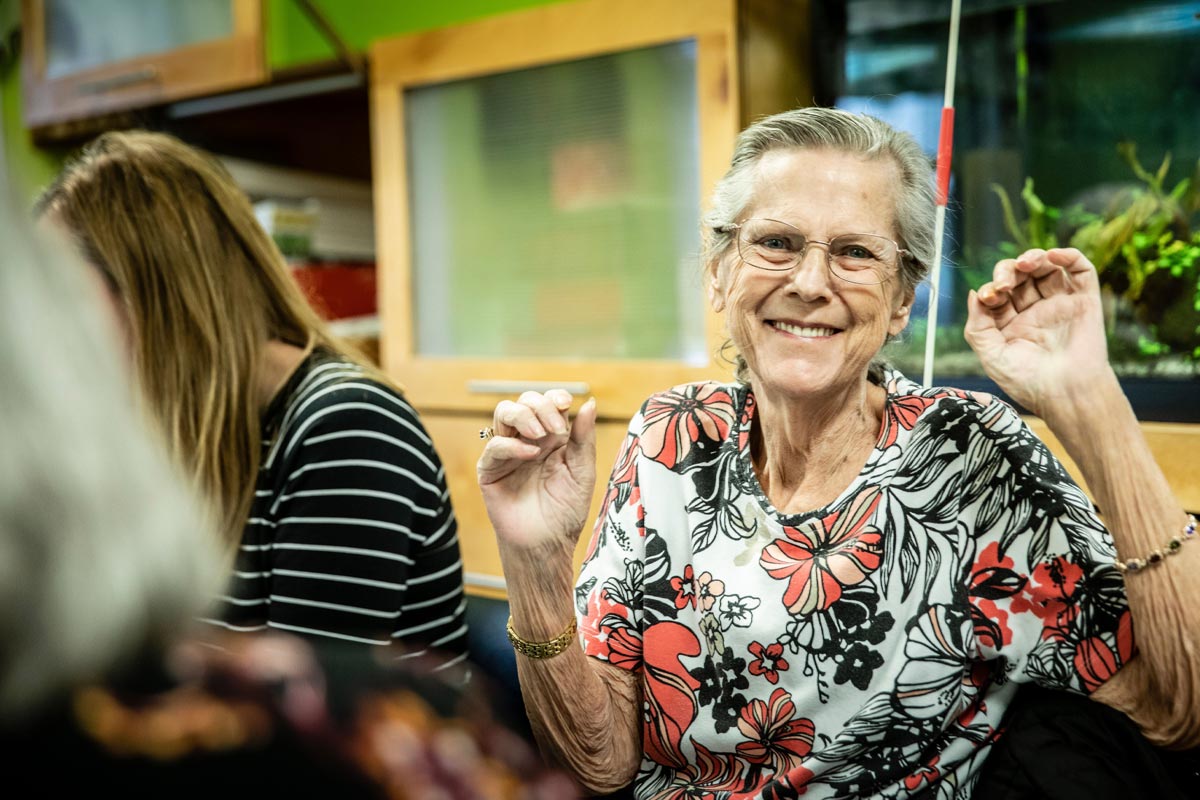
(519, 183)
(540, 178)
(86, 59)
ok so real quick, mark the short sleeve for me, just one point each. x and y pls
(1045, 597)
(608, 595)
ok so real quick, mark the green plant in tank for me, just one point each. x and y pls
(1145, 245)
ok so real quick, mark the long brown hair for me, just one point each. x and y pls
(204, 288)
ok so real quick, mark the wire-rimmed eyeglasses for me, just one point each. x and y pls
(861, 258)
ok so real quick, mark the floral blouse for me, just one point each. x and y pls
(866, 648)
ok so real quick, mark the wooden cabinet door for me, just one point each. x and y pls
(84, 58)
(539, 180)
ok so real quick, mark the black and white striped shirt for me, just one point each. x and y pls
(351, 534)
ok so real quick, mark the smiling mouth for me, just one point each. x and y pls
(803, 331)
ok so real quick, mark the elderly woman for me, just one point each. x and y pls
(824, 578)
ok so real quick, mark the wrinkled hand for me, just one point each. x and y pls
(1038, 328)
(538, 472)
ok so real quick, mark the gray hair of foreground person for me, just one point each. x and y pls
(817, 128)
(102, 550)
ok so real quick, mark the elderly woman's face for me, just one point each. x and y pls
(806, 331)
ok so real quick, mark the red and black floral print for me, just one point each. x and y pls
(823, 556)
(866, 648)
(686, 424)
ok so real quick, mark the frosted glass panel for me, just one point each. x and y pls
(82, 34)
(555, 210)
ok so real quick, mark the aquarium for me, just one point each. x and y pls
(1077, 124)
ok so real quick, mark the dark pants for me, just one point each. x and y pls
(1061, 746)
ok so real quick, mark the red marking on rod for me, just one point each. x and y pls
(945, 148)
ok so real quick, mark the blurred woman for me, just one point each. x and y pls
(330, 495)
(102, 551)
(106, 559)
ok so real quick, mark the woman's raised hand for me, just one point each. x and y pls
(1038, 329)
(538, 471)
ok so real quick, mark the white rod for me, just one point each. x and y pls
(944, 152)
(952, 53)
(935, 281)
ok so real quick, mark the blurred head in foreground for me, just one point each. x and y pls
(102, 550)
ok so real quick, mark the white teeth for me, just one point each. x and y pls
(798, 330)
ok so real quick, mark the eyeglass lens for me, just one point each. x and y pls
(855, 257)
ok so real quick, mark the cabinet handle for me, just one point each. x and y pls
(124, 80)
(516, 387)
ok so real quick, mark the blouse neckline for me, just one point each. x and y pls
(739, 438)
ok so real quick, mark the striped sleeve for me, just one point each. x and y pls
(365, 541)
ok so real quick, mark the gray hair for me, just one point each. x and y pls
(829, 128)
(102, 549)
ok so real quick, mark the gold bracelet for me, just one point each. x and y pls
(541, 649)
(1158, 556)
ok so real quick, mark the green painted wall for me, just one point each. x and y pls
(26, 168)
(291, 40)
